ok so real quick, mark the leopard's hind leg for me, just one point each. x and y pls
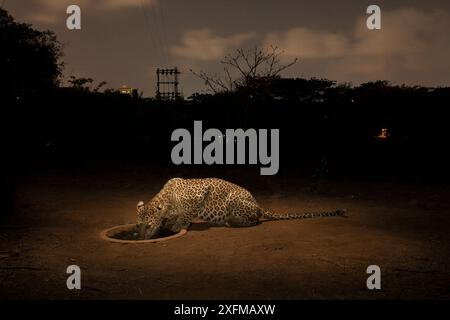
(242, 213)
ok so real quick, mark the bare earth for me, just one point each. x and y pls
(404, 229)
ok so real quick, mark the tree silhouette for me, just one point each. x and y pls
(29, 64)
(250, 69)
(29, 59)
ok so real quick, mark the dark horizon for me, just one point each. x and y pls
(124, 42)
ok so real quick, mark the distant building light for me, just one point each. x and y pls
(384, 134)
(126, 90)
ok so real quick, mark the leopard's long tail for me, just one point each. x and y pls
(307, 215)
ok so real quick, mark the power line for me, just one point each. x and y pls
(161, 11)
(154, 45)
(158, 33)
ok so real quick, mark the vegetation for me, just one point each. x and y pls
(327, 127)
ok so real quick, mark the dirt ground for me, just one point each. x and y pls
(403, 228)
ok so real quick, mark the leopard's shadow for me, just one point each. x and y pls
(201, 226)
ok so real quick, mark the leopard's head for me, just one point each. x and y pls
(150, 217)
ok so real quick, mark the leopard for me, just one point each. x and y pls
(212, 200)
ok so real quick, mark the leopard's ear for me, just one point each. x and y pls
(140, 205)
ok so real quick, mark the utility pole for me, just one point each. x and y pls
(167, 84)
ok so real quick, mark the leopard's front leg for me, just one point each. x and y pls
(178, 219)
(177, 224)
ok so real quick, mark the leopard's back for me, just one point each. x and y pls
(208, 198)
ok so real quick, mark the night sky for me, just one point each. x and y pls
(124, 41)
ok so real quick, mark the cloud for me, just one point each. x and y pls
(119, 4)
(411, 45)
(204, 45)
(307, 44)
(50, 11)
(42, 17)
(98, 4)
(403, 32)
